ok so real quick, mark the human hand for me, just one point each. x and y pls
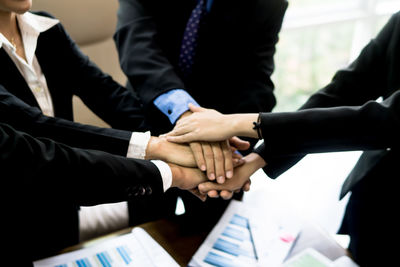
(220, 157)
(226, 194)
(240, 180)
(187, 179)
(201, 124)
(210, 125)
(160, 148)
(216, 158)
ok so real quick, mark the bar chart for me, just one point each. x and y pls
(134, 249)
(229, 244)
(245, 237)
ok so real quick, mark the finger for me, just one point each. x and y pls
(246, 186)
(213, 194)
(218, 162)
(238, 162)
(198, 155)
(209, 159)
(183, 121)
(178, 130)
(226, 194)
(239, 143)
(197, 193)
(194, 108)
(185, 138)
(204, 188)
(228, 161)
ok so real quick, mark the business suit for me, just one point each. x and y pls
(344, 116)
(46, 181)
(231, 73)
(68, 72)
(234, 58)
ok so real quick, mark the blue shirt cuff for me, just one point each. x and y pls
(174, 103)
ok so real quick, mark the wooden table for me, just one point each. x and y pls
(181, 242)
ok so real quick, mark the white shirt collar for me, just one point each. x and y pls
(36, 22)
(31, 25)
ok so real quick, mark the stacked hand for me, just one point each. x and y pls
(217, 158)
(211, 137)
(240, 179)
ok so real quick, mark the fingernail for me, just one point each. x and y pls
(211, 176)
(229, 174)
(220, 179)
(203, 167)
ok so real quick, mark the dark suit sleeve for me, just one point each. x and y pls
(370, 126)
(86, 177)
(364, 80)
(109, 100)
(141, 57)
(23, 117)
(255, 73)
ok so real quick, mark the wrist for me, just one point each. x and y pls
(234, 123)
(242, 124)
(153, 148)
(255, 161)
(175, 175)
(185, 114)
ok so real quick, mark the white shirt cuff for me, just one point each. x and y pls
(166, 173)
(138, 144)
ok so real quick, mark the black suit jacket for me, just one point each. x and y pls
(344, 115)
(234, 56)
(68, 72)
(43, 182)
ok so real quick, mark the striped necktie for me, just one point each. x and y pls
(190, 38)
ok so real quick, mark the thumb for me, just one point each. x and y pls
(194, 108)
(207, 186)
(186, 138)
(239, 143)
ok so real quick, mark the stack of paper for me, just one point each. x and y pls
(312, 258)
(244, 237)
(134, 249)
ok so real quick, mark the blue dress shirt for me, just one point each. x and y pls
(175, 102)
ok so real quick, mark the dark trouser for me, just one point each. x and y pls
(202, 216)
(371, 218)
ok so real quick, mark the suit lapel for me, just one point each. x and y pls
(53, 68)
(13, 81)
(44, 55)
